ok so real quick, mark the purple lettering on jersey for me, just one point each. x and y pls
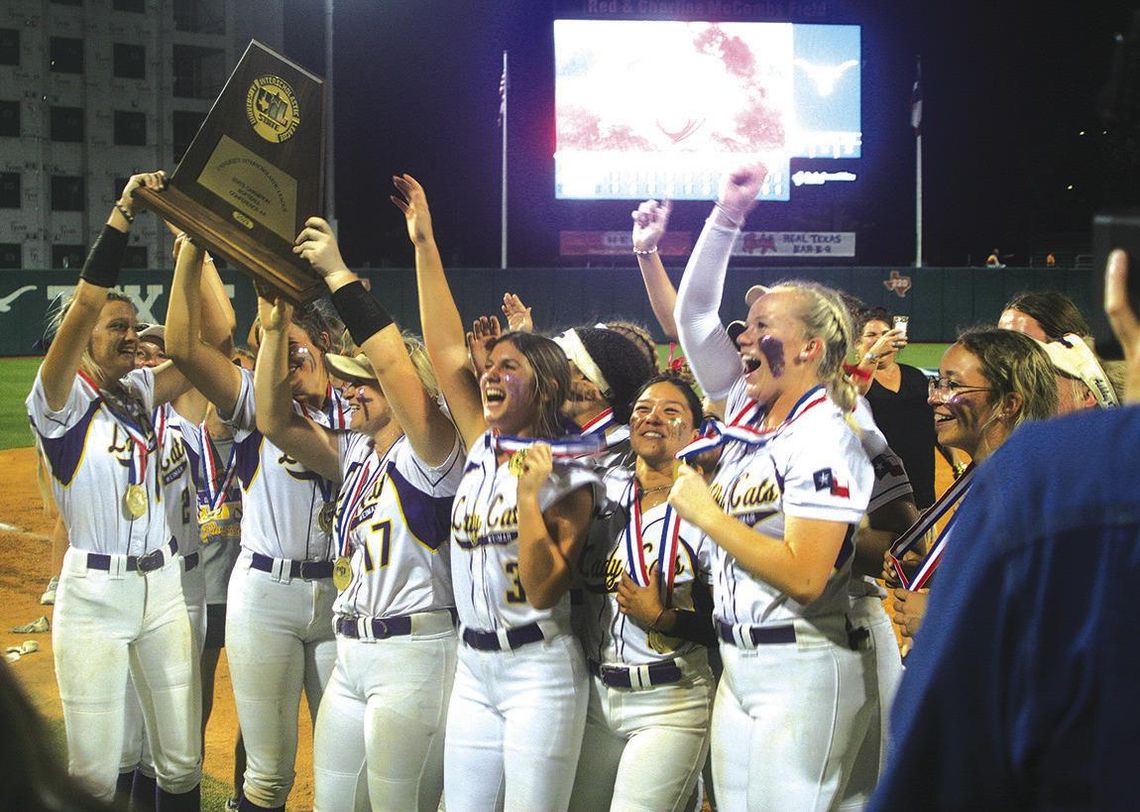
(63, 453)
(248, 457)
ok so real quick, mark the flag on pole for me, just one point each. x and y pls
(916, 99)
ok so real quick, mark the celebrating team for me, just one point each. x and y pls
(482, 560)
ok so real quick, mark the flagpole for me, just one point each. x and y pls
(503, 180)
(330, 122)
(916, 123)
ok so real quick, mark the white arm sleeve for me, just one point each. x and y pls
(710, 352)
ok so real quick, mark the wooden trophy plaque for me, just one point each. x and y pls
(254, 174)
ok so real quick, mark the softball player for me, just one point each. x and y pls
(518, 705)
(279, 636)
(651, 693)
(792, 486)
(120, 605)
(395, 613)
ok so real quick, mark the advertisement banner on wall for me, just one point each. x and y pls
(818, 244)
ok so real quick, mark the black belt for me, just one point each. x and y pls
(665, 672)
(190, 561)
(760, 635)
(305, 570)
(154, 560)
(489, 641)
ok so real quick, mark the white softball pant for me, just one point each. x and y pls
(514, 727)
(644, 748)
(279, 639)
(788, 720)
(379, 737)
(136, 744)
(109, 623)
(883, 668)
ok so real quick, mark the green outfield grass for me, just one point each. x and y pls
(17, 374)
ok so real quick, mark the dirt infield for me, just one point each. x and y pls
(25, 563)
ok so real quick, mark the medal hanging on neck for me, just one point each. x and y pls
(354, 490)
(143, 441)
(328, 507)
(218, 478)
(667, 547)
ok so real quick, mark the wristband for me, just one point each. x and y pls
(646, 252)
(737, 220)
(362, 314)
(105, 259)
(657, 619)
(123, 210)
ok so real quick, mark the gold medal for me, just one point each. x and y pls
(325, 517)
(135, 501)
(662, 643)
(342, 573)
(517, 461)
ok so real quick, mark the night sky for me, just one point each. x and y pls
(1005, 96)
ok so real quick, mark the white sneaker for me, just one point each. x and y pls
(48, 598)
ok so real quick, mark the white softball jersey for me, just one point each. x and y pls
(395, 513)
(90, 488)
(179, 493)
(813, 466)
(623, 539)
(485, 540)
(282, 499)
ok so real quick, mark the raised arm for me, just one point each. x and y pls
(711, 353)
(650, 221)
(206, 367)
(443, 328)
(100, 273)
(218, 318)
(549, 542)
(310, 444)
(427, 428)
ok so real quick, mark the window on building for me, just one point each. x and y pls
(9, 118)
(9, 46)
(199, 73)
(186, 126)
(129, 61)
(68, 256)
(134, 6)
(66, 55)
(68, 2)
(10, 255)
(135, 257)
(67, 193)
(200, 16)
(9, 190)
(67, 124)
(120, 185)
(130, 128)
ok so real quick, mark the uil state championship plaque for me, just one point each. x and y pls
(253, 173)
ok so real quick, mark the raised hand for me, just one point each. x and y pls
(483, 330)
(536, 468)
(274, 316)
(691, 496)
(739, 189)
(317, 244)
(650, 221)
(412, 201)
(518, 314)
(1124, 321)
(148, 180)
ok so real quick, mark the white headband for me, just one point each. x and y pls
(571, 344)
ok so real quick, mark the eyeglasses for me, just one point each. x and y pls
(945, 388)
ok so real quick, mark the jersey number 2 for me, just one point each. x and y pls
(384, 528)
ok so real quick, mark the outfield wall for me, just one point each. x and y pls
(939, 301)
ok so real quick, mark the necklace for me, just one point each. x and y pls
(647, 491)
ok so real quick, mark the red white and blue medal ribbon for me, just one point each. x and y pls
(354, 491)
(142, 444)
(666, 547)
(714, 433)
(600, 425)
(912, 537)
(217, 481)
(565, 449)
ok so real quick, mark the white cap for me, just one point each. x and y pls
(153, 331)
(1071, 356)
(754, 293)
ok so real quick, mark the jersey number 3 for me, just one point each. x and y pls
(384, 529)
(516, 594)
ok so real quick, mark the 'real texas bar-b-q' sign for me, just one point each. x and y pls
(254, 173)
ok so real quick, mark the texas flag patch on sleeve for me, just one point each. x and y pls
(825, 480)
